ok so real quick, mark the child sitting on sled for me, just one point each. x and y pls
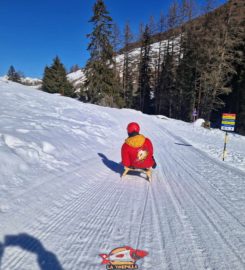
(137, 151)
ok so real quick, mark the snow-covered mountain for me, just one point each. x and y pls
(63, 202)
(25, 80)
(77, 78)
(31, 81)
(160, 40)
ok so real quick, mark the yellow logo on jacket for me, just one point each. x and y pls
(142, 155)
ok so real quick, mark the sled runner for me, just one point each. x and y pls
(148, 172)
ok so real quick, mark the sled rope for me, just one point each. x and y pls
(143, 214)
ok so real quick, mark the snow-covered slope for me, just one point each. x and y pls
(25, 80)
(63, 202)
(78, 77)
(31, 81)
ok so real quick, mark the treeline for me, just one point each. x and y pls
(175, 66)
(54, 79)
(14, 75)
(19, 77)
(200, 62)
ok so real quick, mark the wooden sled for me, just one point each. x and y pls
(148, 172)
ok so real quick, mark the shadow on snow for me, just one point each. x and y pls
(118, 167)
(114, 166)
(183, 144)
(46, 260)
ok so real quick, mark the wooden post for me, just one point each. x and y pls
(226, 138)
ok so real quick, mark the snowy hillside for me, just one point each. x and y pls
(26, 81)
(78, 77)
(31, 81)
(63, 202)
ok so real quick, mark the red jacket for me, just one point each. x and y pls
(137, 152)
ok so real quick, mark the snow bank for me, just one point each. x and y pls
(211, 141)
(199, 122)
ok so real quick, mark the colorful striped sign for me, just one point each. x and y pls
(228, 121)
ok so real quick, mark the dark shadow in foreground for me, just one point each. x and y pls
(45, 259)
(183, 144)
(114, 166)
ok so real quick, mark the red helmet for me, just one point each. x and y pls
(133, 127)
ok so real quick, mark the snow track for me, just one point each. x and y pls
(190, 217)
(185, 218)
(211, 215)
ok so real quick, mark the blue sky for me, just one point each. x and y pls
(33, 32)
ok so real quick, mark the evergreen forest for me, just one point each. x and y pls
(184, 64)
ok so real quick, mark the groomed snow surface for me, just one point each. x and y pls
(63, 202)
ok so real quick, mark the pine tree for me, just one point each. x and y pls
(235, 102)
(116, 42)
(127, 68)
(185, 78)
(185, 91)
(74, 68)
(159, 60)
(13, 75)
(101, 85)
(166, 84)
(241, 99)
(152, 26)
(144, 82)
(55, 81)
(216, 61)
(167, 87)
